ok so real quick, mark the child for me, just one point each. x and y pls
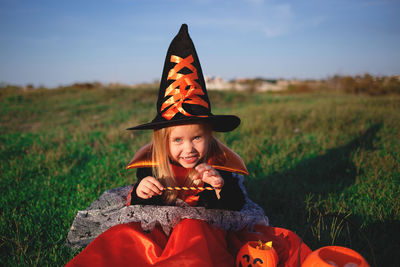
(184, 153)
(183, 148)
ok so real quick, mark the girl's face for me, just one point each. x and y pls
(188, 144)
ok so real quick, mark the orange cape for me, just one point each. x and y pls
(192, 243)
(228, 160)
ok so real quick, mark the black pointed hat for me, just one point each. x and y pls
(182, 97)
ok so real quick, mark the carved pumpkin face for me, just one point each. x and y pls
(254, 254)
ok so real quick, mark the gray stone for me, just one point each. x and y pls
(111, 209)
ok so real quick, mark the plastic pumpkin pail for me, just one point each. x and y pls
(334, 256)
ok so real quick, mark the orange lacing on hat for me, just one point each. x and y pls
(179, 96)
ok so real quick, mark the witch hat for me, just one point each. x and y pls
(183, 97)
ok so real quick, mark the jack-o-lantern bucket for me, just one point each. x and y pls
(334, 256)
(255, 253)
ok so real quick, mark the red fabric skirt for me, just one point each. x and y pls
(191, 243)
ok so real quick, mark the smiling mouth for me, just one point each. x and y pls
(189, 160)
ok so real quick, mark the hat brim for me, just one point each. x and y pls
(219, 123)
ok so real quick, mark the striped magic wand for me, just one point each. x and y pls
(188, 188)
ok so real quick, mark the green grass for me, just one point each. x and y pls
(324, 165)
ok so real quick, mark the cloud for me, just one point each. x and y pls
(257, 2)
(279, 22)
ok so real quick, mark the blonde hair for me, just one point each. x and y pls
(163, 172)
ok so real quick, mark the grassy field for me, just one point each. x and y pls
(324, 165)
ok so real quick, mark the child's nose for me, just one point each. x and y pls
(189, 147)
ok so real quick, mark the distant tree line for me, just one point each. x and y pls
(360, 84)
(367, 83)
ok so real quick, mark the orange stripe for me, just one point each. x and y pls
(188, 188)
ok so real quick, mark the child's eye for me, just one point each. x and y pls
(177, 140)
(197, 138)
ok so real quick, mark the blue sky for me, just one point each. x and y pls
(55, 43)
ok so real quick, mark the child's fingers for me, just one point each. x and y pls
(143, 194)
(140, 192)
(156, 183)
(213, 178)
(206, 170)
(209, 175)
(219, 183)
(215, 181)
(151, 189)
(147, 191)
(202, 167)
(211, 172)
(197, 176)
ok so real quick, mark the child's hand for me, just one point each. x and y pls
(209, 175)
(149, 187)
